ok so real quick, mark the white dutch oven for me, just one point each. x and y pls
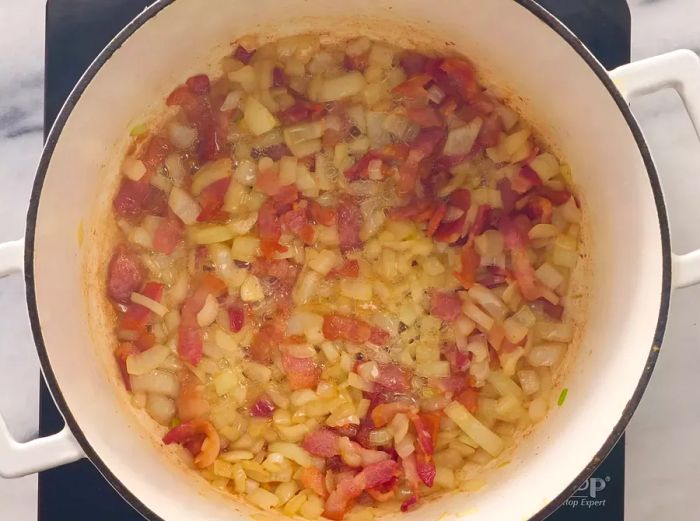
(578, 105)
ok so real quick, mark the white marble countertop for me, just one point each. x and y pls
(663, 455)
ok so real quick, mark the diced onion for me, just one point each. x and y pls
(343, 86)
(183, 205)
(301, 350)
(157, 308)
(357, 289)
(546, 355)
(570, 211)
(160, 408)
(546, 166)
(148, 360)
(543, 231)
(305, 287)
(232, 100)
(488, 300)
(263, 498)
(133, 168)
(210, 234)
(322, 261)
(210, 173)
(379, 437)
(245, 248)
(549, 276)
(438, 369)
(473, 428)
(460, 140)
(529, 381)
(246, 172)
(292, 452)
(257, 117)
(555, 331)
(156, 381)
(207, 314)
(504, 385)
(251, 290)
(181, 136)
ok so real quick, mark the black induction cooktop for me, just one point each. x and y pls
(76, 31)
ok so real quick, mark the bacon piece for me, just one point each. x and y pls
(322, 214)
(422, 147)
(236, 318)
(145, 340)
(413, 88)
(349, 224)
(463, 76)
(296, 221)
(191, 402)
(168, 235)
(243, 55)
(538, 209)
(490, 131)
(525, 180)
(408, 503)
(372, 476)
(412, 63)
(185, 432)
(393, 378)
(508, 195)
(212, 200)
(125, 275)
(269, 229)
(283, 270)
(436, 219)
(314, 480)
(417, 211)
(198, 84)
(423, 116)
(262, 407)
(189, 342)
(470, 262)
(515, 239)
(301, 111)
(480, 222)
(470, 399)
(557, 197)
(285, 197)
(459, 360)
(378, 336)
(322, 443)
(554, 311)
(445, 306)
(341, 327)
(268, 337)
(461, 198)
(155, 202)
(268, 182)
(425, 468)
(452, 231)
(302, 373)
(130, 197)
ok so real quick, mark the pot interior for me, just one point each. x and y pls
(555, 88)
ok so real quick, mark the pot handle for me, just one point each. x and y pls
(679, 70)
(22, 458)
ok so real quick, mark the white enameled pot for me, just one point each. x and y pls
(577, 105)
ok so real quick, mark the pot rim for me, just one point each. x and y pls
(74, 97)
